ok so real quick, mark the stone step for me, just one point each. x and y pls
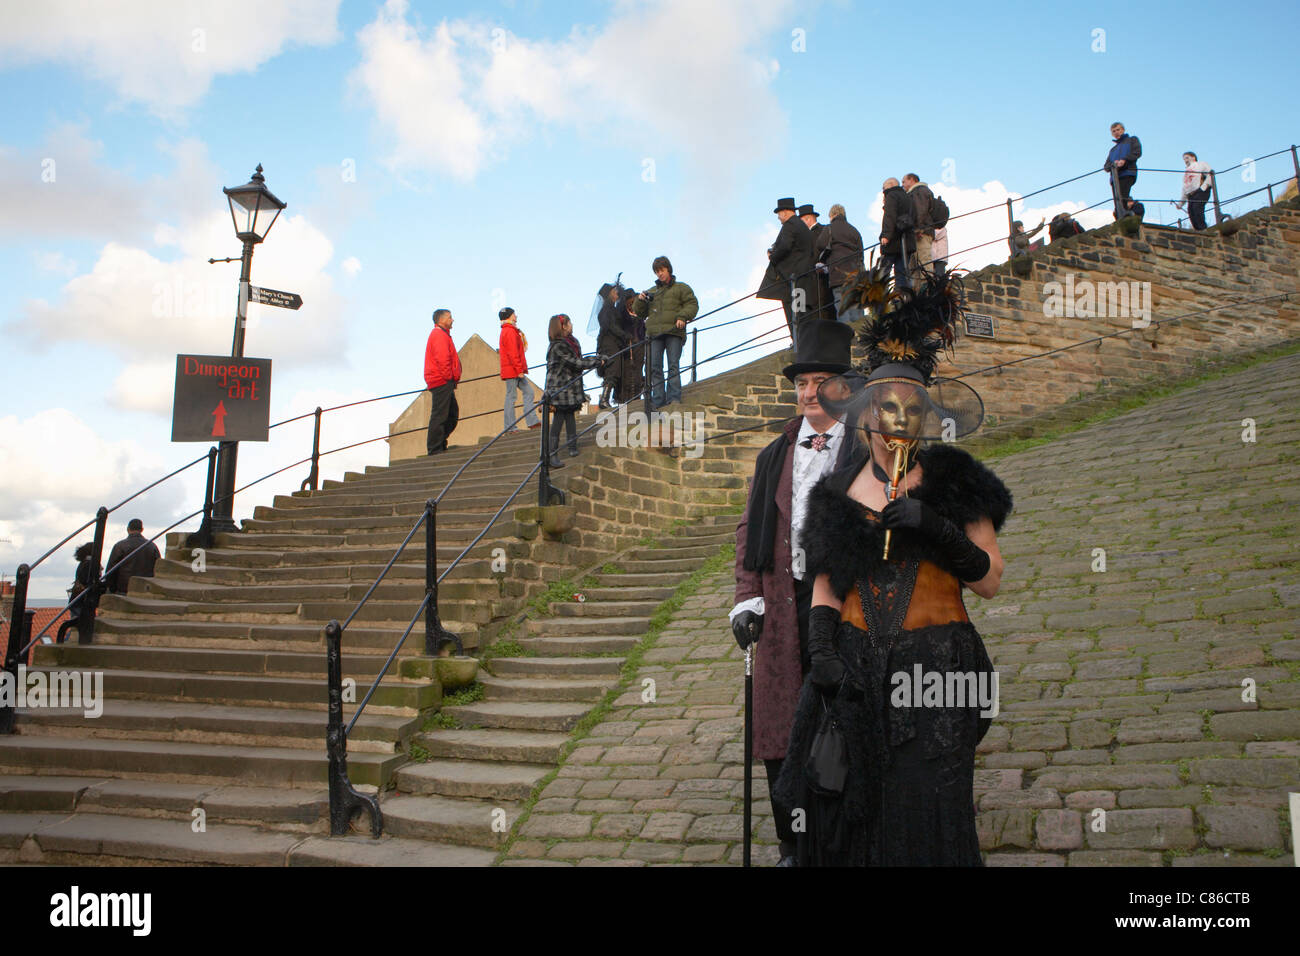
(401, 589)
(639, 579)
(204, 660)
(670, 550)
(79, 839)
(510, 746)
(603, 595)
(589, 625)
(332, 562)
(449, 820)
(475, 779)
(560, 644)
(527, 689)
(195, 762)
(555, 666)
(559, 716)
(219, 724)
(288, 637)
(595, 608)
(465, 496)
(448, 521)
(661, 567)
(306, 693)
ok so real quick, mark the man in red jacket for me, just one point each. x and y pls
(514, 368)
(441, 373)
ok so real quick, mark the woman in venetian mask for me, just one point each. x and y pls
(900, 677)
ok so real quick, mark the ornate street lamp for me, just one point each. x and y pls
(253, 210)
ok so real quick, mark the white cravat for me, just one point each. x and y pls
(810, 466)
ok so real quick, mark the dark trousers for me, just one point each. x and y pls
(1196, 208)
(783, 816)
(1125, 184)
(444, 413)
(559, 419)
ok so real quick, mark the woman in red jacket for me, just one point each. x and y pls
(514, 369)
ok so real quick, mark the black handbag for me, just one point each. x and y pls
(827, 765)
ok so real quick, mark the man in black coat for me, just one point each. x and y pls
(839, 246)
(895, 230)
(823, 305)
(790, 275)
(131, 557)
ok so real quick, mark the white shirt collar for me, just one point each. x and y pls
(807, 431)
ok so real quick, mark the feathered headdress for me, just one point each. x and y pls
(915, 325)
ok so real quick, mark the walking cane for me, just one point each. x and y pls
(749, 745)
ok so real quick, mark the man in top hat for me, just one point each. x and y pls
(773, 595)
(823, 306)
(790, 275)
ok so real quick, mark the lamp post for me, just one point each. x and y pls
(253, 210)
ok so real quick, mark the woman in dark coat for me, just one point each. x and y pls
(631, 373)
(564, 392)
(892, 539)
(612, 339)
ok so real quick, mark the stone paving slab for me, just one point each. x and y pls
(1147, 634)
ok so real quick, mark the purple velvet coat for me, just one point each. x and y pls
(777, 674)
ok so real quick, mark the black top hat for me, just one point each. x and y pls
(786, 203)
(808, 210)
(823, 347)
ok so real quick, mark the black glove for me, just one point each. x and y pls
(961, 556)
(827, 668)
(748, 628)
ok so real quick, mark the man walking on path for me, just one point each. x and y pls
(840, 247)
(772, 597)
(922, 227)
(1122, 158)
(441, 374)
(514, 368)
(666, 309)
(895, 230)
(137, 557)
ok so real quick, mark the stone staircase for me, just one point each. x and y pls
(210, 746)
(512, 738)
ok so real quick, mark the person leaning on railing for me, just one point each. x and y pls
(564, 393)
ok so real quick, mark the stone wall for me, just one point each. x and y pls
(1186, 271)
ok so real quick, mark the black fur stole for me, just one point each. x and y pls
(842, 537)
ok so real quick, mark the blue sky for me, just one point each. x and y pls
(474, 155)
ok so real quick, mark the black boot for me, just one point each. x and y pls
(555, 458)
(604, 396)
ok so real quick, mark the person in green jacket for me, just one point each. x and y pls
(666, 308)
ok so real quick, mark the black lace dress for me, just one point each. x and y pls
(907, 799)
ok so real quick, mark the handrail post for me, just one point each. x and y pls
(435, 635)
(313, 477)
(17, 639)
(344, 798)
(1214, 188)
(1295, 163)
(86, 620)
(203, 537)
(1270, 194)
(695, 352)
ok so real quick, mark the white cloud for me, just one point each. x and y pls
(161, 52)
(453, 101)
(55, 472)
(55, 262)
(147, 308)
(145, 387)
(60, 188)
(351, 266)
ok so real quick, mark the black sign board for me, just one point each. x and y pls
(282, 300)
(979, 326)
(219, 398)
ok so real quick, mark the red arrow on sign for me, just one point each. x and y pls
(219, 425)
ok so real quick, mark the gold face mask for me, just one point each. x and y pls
(899, 411)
